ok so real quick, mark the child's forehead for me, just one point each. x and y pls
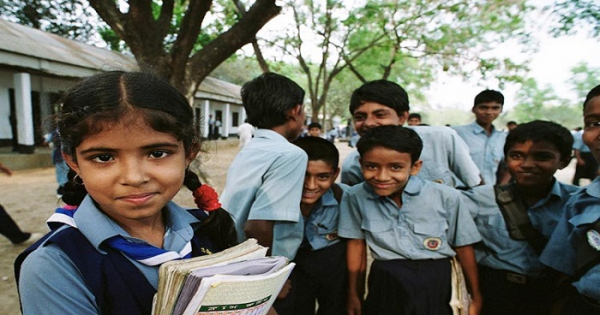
(322, 164)
(380, 152)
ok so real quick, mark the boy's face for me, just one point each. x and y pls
(534, 163)
(318, 178)
(387, 171)
(370, 115)
(486, 113)
(314, 132)
(591, 121)
(414, 121)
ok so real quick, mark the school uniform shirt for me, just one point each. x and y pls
(486, 151)
(60, 288)
(430, 222)
(445, 159)
(321, 226)
(499, 250)
(582, 210)
(578, 143)
(264, 182)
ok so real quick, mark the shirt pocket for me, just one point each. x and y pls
(381, 231)
(432, 236)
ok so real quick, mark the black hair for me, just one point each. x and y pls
(541, 130)
(319, 149)
(414, 115)
(487, 96)
(315, 125)
(268, 98)
(397, 138)
(384, 92)
(512, 122)
(104, 99)
(591, 94)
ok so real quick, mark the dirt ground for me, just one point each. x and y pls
(29, 197)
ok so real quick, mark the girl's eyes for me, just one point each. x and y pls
(102, 158)
(105, 158)
(159, 154)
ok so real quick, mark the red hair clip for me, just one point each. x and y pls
(206, 198)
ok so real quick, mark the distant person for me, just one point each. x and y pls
(485, 141)
(511, 276)
(9, 228)
(445, 155)
(315, 129)
(60, 166)
(245, 132)
(414, 119)
(511, 125)
(211, 127)
(320, 275)
(332, 134)
(574, 248)
(587, 166)
(218, 124)
(413, 228)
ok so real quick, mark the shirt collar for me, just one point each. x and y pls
(593, 189)
(269, 134)
(412, 188)
(98, 227)
(476, 128)
(328, 199)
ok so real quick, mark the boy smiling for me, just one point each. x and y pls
(412, 226)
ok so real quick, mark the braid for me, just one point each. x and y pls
(219, 226)
(74, 193)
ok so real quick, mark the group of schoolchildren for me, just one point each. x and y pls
(414, 196)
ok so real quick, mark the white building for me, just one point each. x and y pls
(36, 67)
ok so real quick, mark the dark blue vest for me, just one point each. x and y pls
(117, 284)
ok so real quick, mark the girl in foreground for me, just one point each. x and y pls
(130, 138)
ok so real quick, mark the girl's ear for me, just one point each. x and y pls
(71, 162)
(192, 153)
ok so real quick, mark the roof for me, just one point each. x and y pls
(33, 49)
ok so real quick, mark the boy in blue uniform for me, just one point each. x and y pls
(320, 274)
(512, 278)
(445, 155)
(412, 226)
(264, 182)
(574, 248)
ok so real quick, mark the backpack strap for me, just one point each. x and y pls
(337, 192)
(588, 250)
(517, 221)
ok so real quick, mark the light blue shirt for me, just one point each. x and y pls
(264, 182)
(578, 142)
(582, 210)
(431, 221)
(50, 283)
(445, 159)
(499, 250)
(486, 151)
(321, 226)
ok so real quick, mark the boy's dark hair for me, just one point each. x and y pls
(383, 92)
(591, 94)
(542, 130)
(268, 97)
(319, 149)
(414, 115)
(512, 122)
(397, 138)
(487, 96)
(315, 125)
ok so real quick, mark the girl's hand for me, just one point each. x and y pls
(475, 305)
(354, 306)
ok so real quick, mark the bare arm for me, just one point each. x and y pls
(5, 169)
(262, 231)
(356, 258)
(466, 257)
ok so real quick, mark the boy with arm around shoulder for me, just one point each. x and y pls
(320, 274)
(511, 276)
(412, 226)
(574, 248)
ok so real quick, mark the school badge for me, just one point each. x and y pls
(331, 236)
(594, 239)
(433, 243)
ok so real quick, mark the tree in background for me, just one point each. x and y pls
(73, 19)
(574, 15)
(401, 40)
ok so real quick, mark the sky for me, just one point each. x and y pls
(550, 65)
